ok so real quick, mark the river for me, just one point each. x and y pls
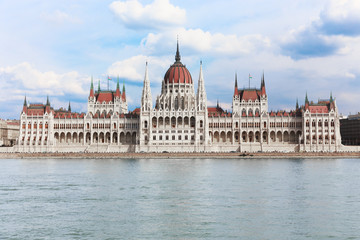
(180, 199)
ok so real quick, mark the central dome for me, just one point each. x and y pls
(177, 73)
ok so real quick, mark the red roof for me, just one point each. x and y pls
(215, 111)
(248, 94)
(177, 73)
(318, 109)
(105, 97)
(136, 111)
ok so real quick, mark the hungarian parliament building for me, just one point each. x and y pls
(180, 121)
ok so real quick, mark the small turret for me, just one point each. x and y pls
(92, 88)
(297, 104)
(47, 106)
(331, 98)
(69, 107)
(117, 93)
(25, 105)
(201, 93)
(306, 101)
(146, 99)
(99, 86)
(123, 96)
(236, 90)
(263, 90)
(177, 56)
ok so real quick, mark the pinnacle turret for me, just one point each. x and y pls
(25, 102)
(201, 93)
(331, 98)
(146, 99)
(236, 90)
(297, 104)
(177, 56)
(69, 107)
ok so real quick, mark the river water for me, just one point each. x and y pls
(180, 199)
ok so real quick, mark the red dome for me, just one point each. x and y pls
(177, 73)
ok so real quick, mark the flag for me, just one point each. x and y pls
(109, 78)
(250, 76)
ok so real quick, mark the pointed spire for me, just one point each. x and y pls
(146, 99)
(47, 101)
(25, 103)
(331, 98)
(177, 56)
(117, 93)
(306, 99)
(99, 86)
(297, 104)
(123, 92)
(201, 93)
(217, 103)
(69, 108)
(263, 91)
(236, 90)
(92, 88)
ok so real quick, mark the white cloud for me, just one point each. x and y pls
(32, 79)
(23, 79)
(202, 41)
(134, 68)
(341, 9)
(158, 14)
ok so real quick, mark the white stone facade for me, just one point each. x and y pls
(180, 121)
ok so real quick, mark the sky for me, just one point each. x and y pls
(54, 48)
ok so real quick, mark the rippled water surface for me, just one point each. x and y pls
(180, 199)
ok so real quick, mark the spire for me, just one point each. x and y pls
(146, 99)
(331, 98)
(92, 88)
(25, 103)
(306, 99)
(201, 93)
(297, 104)
(177, 56)
(47, 101)
(263, 90)
(99, 86)
(236, 90)
(117, 93)
(69, 108)
(217, 103)
(123, 92)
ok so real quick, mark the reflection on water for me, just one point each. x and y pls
(180, 199)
